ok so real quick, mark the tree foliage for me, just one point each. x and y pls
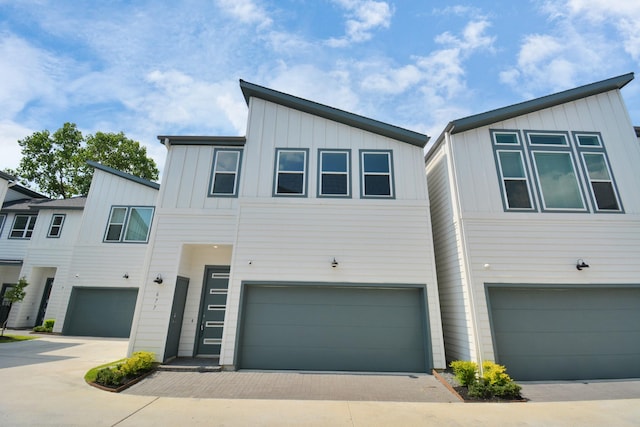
(14, 294)
(56, 164)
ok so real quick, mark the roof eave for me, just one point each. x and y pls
(124, 175)
(505, 113)
(227, 141)
(370, 125)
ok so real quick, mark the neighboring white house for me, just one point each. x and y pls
(536, 225)
(304, 245)
(82, 257)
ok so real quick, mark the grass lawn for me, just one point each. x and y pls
(90, 376)
(15, 338)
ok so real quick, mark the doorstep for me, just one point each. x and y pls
(191, 364)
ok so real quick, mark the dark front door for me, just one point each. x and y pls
(212, 311)
(5, 306)
(44, 301)
(175, 322)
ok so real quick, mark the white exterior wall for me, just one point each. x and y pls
(93, 262)
(543, 248)
(285, 238)
(46, 257)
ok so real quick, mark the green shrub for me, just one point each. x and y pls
(110, 376)
(140, 361)
(465, 371)
(49, 323)
(510, 390)
(495, 374)
(480, 390)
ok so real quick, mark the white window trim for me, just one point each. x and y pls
(32, 220)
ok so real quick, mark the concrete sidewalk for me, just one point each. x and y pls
(42, 382)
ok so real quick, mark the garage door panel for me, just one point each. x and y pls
(100, 312)
(579, 333)
(333, 328)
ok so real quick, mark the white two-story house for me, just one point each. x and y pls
(304, 245)
(536, 223)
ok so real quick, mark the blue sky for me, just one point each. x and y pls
(151, 68)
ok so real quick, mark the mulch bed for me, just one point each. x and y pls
(128, 382)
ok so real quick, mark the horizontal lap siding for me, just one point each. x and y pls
(454, 301)
(296, 242)
(538, 251)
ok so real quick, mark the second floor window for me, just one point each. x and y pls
(225, 173)
(290, 172)
(335, 173)
(56, 225)
(129, 224)
(377, 174)
(23, 227)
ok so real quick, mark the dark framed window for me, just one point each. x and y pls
(290, 177)
(376, 168)
(55, 228)
(512, 170)
(129, 224)
(602, 188)
(3, 218)
(225, 172)
(23, 226)
(334, 170)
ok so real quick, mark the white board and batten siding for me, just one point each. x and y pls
(532, 248)
(94, 262)
(285, 239)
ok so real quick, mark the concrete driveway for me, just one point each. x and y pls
(42, 385)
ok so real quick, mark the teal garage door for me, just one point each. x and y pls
(329, 328)
(100, 312)
(567, 333)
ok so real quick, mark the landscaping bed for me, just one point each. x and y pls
(493, 386)
(122, 374)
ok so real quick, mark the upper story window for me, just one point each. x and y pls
(55, 228)
(3, 218)
(602, 187)
(129, 224)
(558, 177)
(225, 173)
(334, 169)
(516, 193)
(376, 168)
(22, 226)
(555, 171)
(290, 172)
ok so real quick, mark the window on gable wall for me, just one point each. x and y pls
(556, 173)
(3, 218)
(55, 228)
(23, 226)
(290, 172)
(225, 173)
(129, 224)
(335, 174)
(376, 168)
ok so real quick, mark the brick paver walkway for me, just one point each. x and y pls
(295, 386)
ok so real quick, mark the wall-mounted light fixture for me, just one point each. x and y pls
(158, 279)
(334, 263)
(125, 276)
(581, 264)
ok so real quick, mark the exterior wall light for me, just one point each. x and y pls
(581, 264)
(158, 279)
(334, 263)
(125, 276)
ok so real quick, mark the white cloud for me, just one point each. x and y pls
(364, 16)
(587, 43)
(10, 133)
(246, 11)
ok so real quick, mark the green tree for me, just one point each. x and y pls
(14, 294)
(56, 164)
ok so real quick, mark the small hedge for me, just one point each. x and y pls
(114, 376)
(47, 326)
(494, 382)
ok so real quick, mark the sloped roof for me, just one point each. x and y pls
(515, 110)
(71, 203)
(124, 175)
(370, 125)
(23, 205)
